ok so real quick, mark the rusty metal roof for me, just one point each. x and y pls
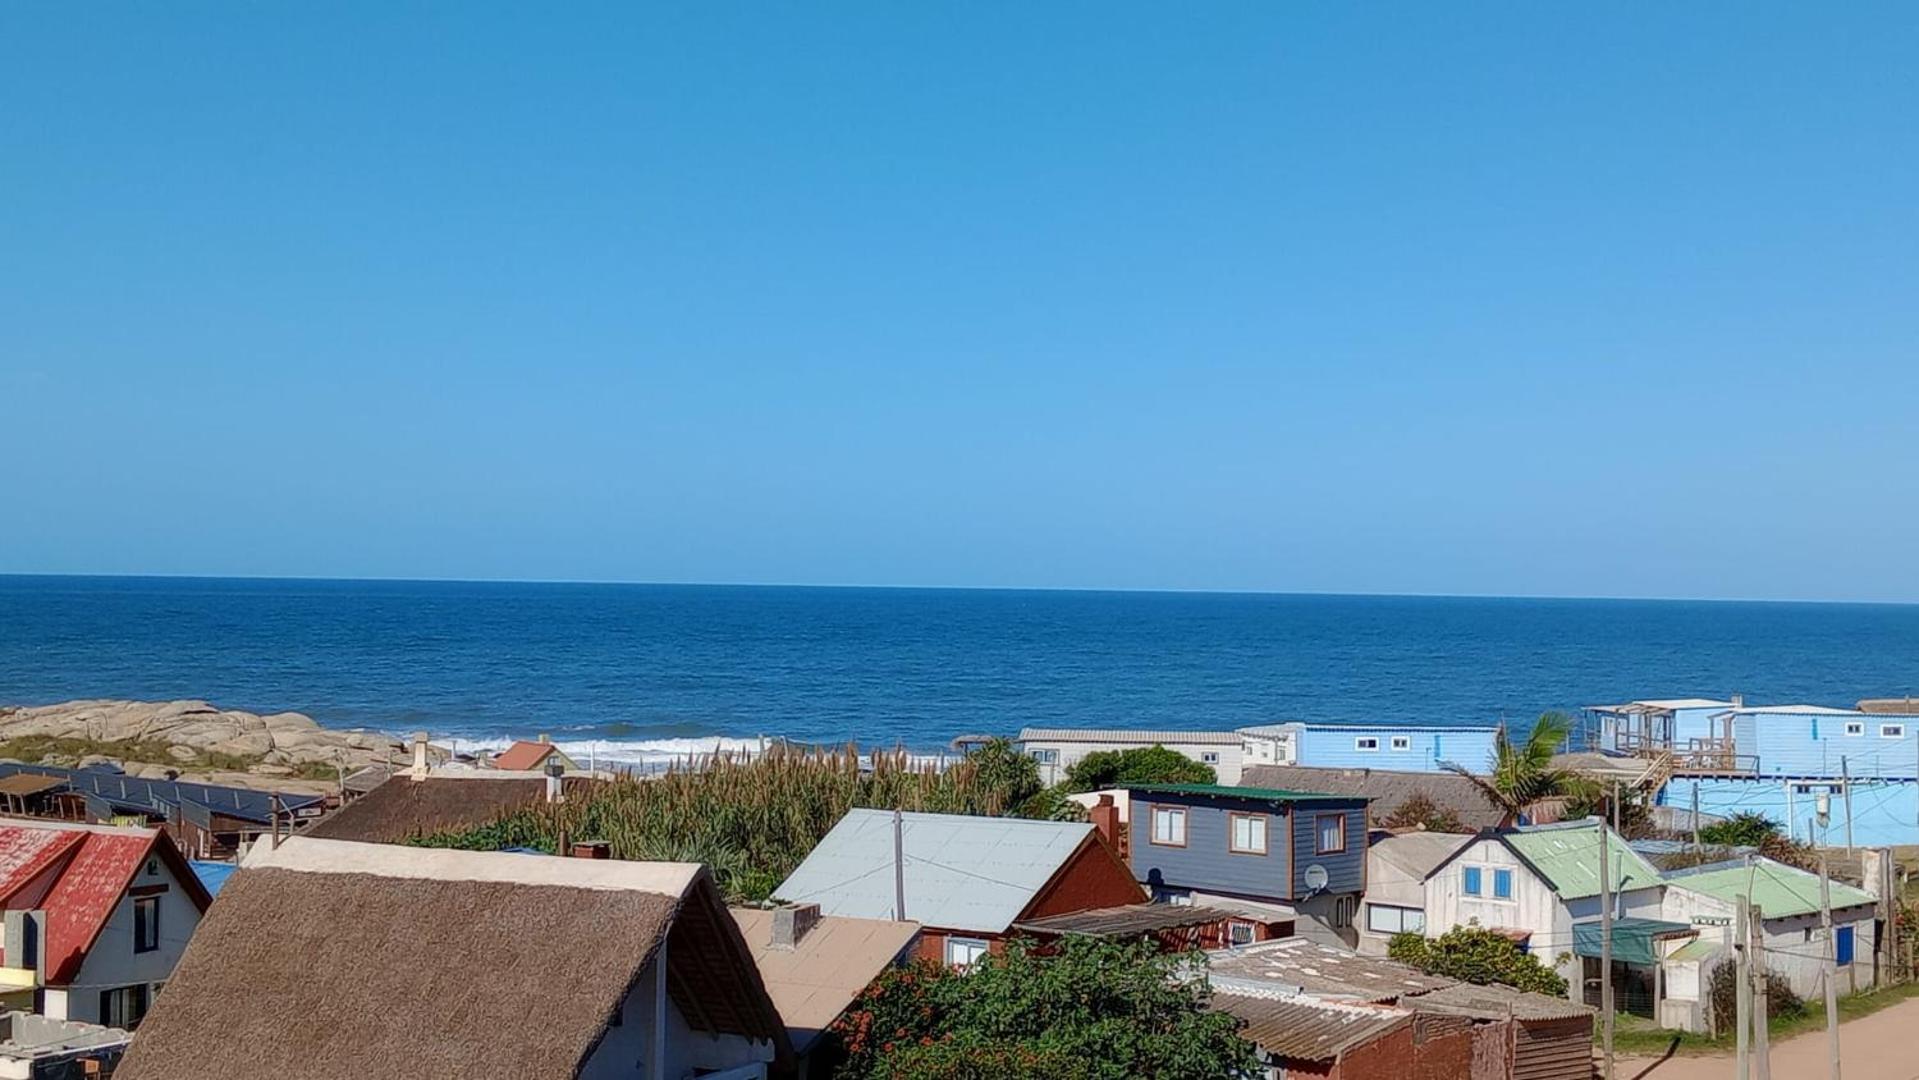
(1126, 921)
(1496, 1003)
(29, 784)
(1303, 1029)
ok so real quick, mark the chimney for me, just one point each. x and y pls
(1738, 701)
(1105, 815)
(420, 767)
(791, 922)
(24, 942)
(545, 738)
(592, 849)
(554, 791)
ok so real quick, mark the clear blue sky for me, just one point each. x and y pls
(1520, 298)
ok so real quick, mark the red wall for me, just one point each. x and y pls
(1093, 878)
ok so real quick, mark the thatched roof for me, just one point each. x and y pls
(403, 808)
(438, 963)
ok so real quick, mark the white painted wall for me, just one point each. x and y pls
(623, 1054)
(112, 962)
(1794, 946)
(1228, 765)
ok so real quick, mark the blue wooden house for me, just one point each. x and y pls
(1390, 746)
(1271, 855)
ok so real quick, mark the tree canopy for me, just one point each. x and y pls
(1476, 955)
(1094, 1010)
(1522, 774)
(1138, 765)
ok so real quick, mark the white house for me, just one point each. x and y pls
(1397, 868)
(1059, 749)
(1788, 898)
(96, 916)
(1538, 883)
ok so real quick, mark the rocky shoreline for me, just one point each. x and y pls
(192, 740)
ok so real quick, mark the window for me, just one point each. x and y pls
(1045, 757)
(1402, 742)
(1386, 919)
(1209, 757)
(1855, 727)
(146, 924)
(124, 1007)
(1367, 743)
(963, 953)
(1842, 946)
(153, 868)
(1239, 933)
(1249, 834)
(1332, 834)
(1892, 731)
(1169, 826)
(1502, 884)
(1469, 881)
(1343, 910)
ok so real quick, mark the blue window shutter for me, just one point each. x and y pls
(1842, 950)
(1503, 884)
(1472, 881)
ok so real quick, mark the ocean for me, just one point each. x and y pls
(639, 672)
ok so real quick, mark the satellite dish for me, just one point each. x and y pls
(1316, 877)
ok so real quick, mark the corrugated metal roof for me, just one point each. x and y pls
(962, 872)
(1307, 1030)
(1702, 949)
(93, 866)
(1496, 1003)
(1632, 938)
(112, 789)
(1567, 856)
(1296, 965)
(1142, 736)
(1127, 921)
(1801, 710)
(1385, 787)
(1233, 792)
(1778, 889)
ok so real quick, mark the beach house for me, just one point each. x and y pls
(966, 880)
(1271, 856)
(329, 958)
(1391, 746)
(815, 966)
(533, 756)
(1541, 886)
(1056, 750)
(1397, 868)
(96, 917)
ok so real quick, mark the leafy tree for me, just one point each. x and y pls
(1138, 765)
(1094, 1010)
(1745, 829)
(1421, 811)
(1000, 769)
(1723, 997)
(1476, 955)
(1521, 775)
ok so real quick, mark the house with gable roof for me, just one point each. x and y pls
(96, 916)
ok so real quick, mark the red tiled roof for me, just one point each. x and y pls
(523, 756)
(94, 868)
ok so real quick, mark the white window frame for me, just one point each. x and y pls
(970, 948)
(1402, 742)
(1404, 920)
(1173, 814)
(1892, 731)
(1360, 744)
(1319, 832)
(1209, 757)
(1233, 930)
(1512, 885)
(1233, 821)
(1855, 727)
(1045, 756)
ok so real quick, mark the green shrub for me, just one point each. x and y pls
(1476, 955)
(1138, 765)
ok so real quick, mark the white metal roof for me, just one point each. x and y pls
(1799, 710)
(1144, 737)
(962, 872)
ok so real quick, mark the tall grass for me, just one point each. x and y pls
(752, 819)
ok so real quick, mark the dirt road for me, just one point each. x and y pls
(1883, 1046)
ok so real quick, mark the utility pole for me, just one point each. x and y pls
(1605, 937)
(1742, 993)
(1829, 970)
(899, 867)
(1761, 1005)
(1695, 816)
(1615, 806)
(1845, 788)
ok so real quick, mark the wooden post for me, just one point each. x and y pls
(1605, 940)
(1761, 1007)
(1695, 817)
(1830, 972)
(1742, 993)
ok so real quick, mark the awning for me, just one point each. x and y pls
(30, 784)
(1632, 939)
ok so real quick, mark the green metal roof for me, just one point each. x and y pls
(1632, 939)
(1567, 856)
(1778, 889)
(1701, 949)
(1231, 792)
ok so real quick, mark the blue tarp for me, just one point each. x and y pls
(213, 874)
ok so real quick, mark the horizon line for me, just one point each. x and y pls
(1110, 590)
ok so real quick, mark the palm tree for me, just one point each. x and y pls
(1522, 775)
